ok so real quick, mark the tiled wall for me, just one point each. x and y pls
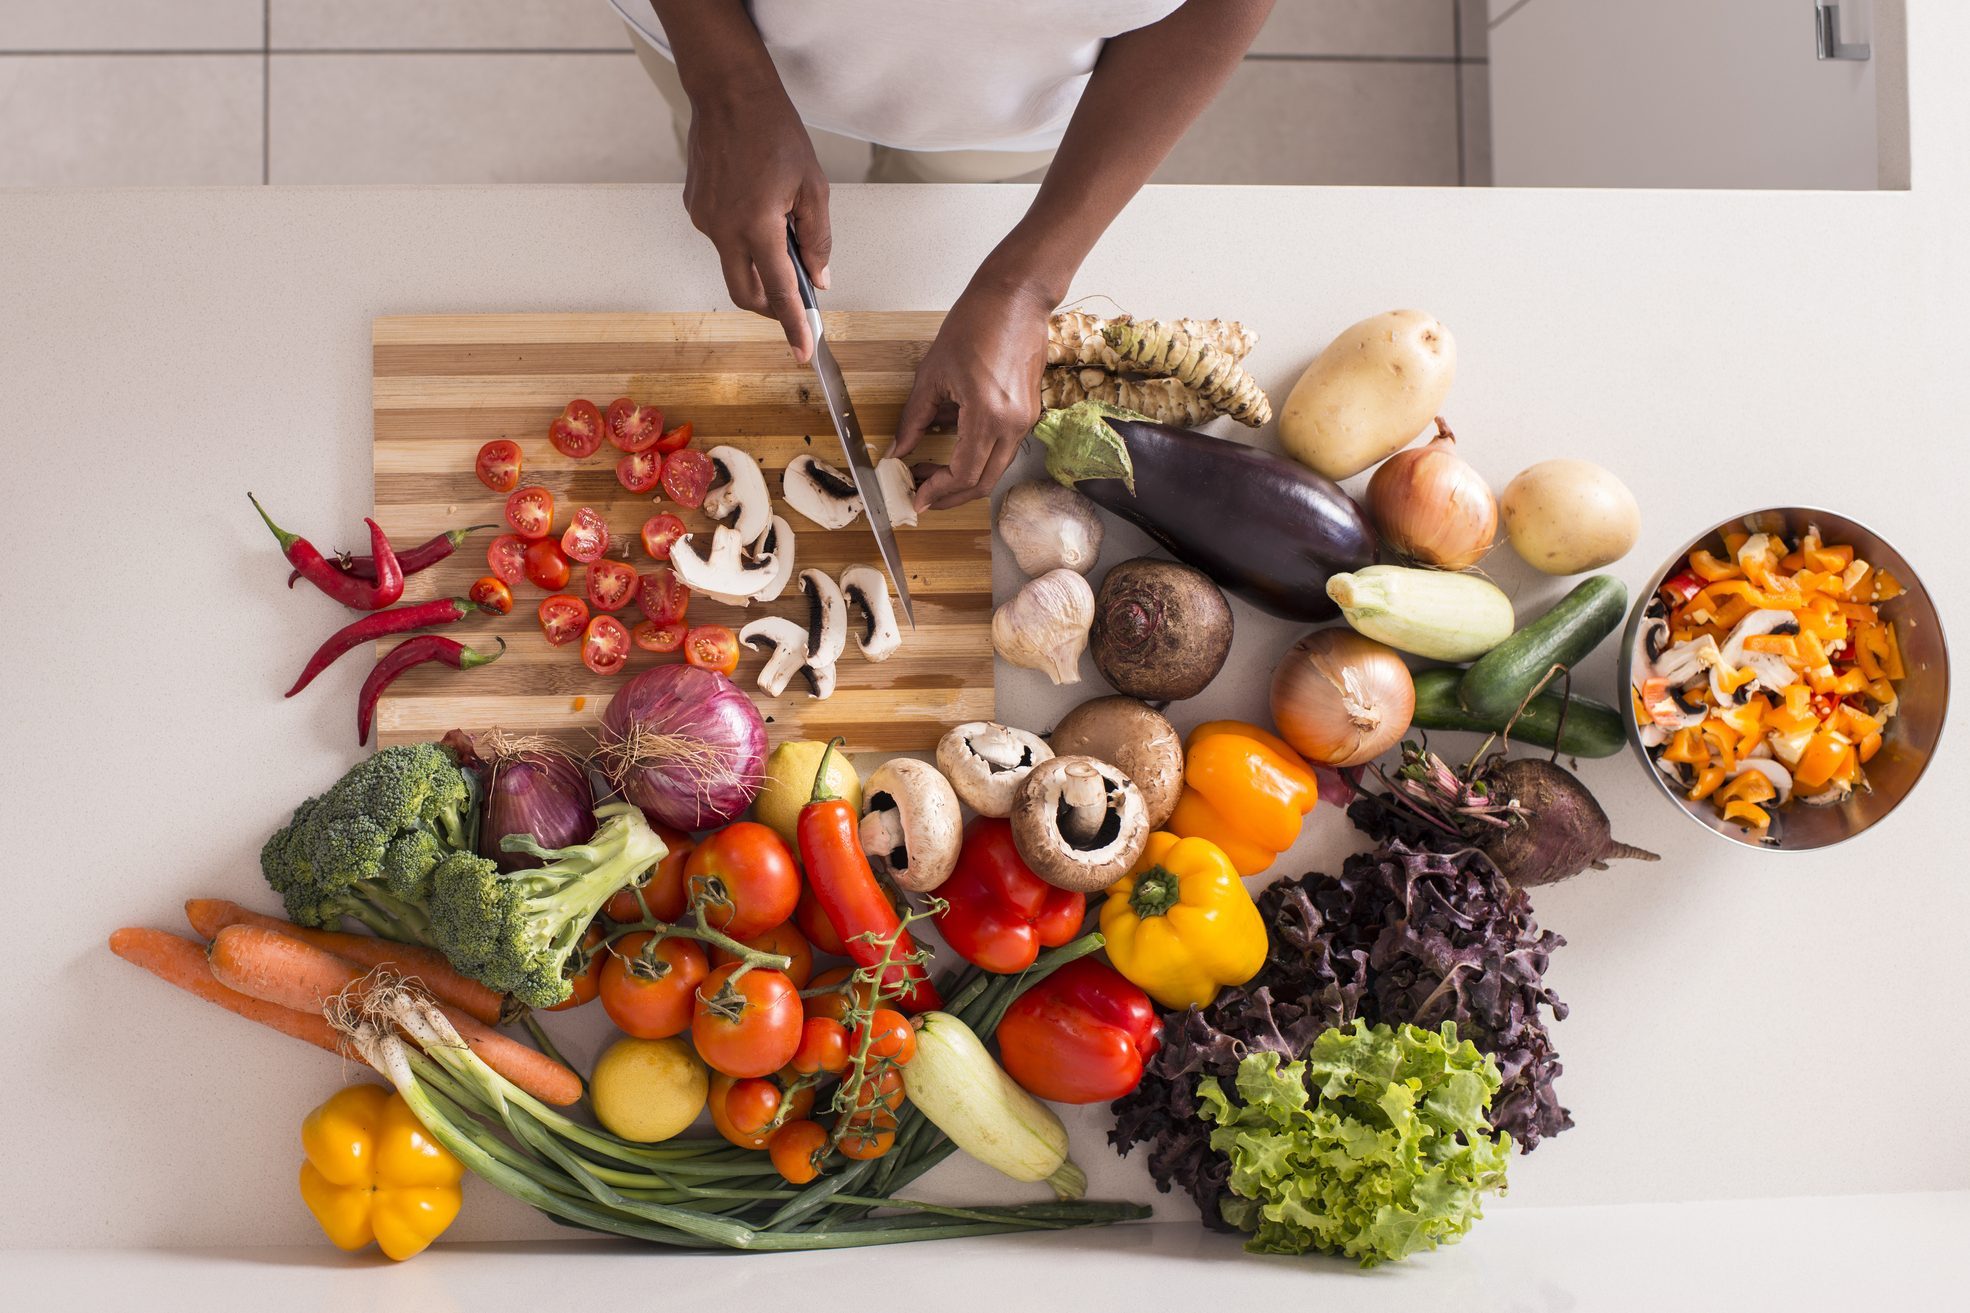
(108, 92)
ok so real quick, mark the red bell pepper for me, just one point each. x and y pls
(999, 914)
(1082, 1035)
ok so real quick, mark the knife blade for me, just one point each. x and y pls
(841, 410)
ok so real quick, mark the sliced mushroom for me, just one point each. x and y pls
(723, 573)
(1079, 823)
(986, 761)
(899, 490)
(789, 642)
(827, 630)
(911, 828)
(1135, 737)
(820, 492)
(1769, 670)
(867, 589)
(743, 493)
(774, 547)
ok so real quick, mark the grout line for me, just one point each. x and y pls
(266, 91)
(1492, 23)
(1457, 81)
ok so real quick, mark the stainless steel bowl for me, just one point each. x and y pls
(1911, 736)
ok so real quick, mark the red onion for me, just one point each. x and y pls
(532, 788)
(686, 745)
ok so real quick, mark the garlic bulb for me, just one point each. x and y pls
(1049, 527)
(1045, 625)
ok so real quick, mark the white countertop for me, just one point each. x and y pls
(1743, 1024)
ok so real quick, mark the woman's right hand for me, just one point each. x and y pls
(751, 168)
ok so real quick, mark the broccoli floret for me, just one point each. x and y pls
(515, 930)
(368, 847)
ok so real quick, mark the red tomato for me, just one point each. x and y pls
(744, 878)
(587, 537)
(834, 1004)
(675, 439)
(651, 994)
(498, 466)
(784, 939)
(611, 585)
(562, 618)
(746, 1027)
(506, 557)
(868, 1137)
(750, 1104)
(490, 594)
(823, 1047)
(547, 565)
(577, 430)
(799, 1104)
(633, 427)
(660, 534)
(686, 476)
(712, 647)
(662, 597)
(584, 969)
(797, 1149)
(893, 1038)
(638, 472)
(814, 923)
(531, 512)
(884, 1087)
(604, 645)
(663, 890)
(658, 638)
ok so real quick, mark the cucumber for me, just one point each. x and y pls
(1499, 680)
(1593, 729)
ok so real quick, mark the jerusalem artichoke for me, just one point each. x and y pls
(1074, 337)
(1162, 399)
(1215, 375)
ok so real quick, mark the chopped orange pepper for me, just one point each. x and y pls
(1707, 781)
(1821, 760)
(1712, 569)
(1784, 645)
(1734, 542)
(1868, 746)
(1749, 813)
(1850, 683)
(1886, 586)
(1722, 741)
(1686, 746)
(1891, 661)
(1749, 786)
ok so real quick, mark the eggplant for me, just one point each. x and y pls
(1263, 527)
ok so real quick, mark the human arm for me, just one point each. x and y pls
(984, 368)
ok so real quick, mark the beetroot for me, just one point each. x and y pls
(1562, 830)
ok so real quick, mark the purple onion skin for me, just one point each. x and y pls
(684, 702)
(542, 794)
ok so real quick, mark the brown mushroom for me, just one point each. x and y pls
(911, 829)
(985, 761)
(1079, 823)
(1133, 736)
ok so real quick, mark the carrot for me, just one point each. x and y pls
(425, 966)
(181, 962)
(278, 968)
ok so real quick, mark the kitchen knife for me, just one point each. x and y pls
(849, 429)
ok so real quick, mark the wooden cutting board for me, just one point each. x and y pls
(444, 384)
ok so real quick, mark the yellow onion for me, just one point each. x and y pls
(1432, 507)
(1341, 699)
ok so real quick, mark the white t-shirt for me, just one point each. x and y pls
(934, 74)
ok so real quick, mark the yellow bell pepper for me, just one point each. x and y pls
(1245, 790)
(372, 1172)
(1181, 924)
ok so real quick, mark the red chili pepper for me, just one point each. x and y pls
(381, 624)
(414, 652)
(411, 560)
(846, 889)
(997, 913)
(363, 595)
(1081, 1035)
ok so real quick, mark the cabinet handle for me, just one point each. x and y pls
(1826, 25)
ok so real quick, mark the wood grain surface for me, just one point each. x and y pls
(444, 384)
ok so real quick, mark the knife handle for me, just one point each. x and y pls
(805, 283)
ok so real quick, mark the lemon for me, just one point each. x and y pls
(648, 1089)
(790, 783)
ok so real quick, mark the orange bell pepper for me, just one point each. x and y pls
(1748, 812)
(1886, 586)
(1707, 781)
(1713, 569)
(1821, 760)
(1686, 746)
(1244, 789)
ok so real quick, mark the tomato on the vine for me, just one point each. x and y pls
(639, 471)
(883, 1087)
(658, 638)
(797, 1149)
(662, 597)
(506, 557)
(751, 1104)
(605, 645)
(611, 585)
(834, 1005)
(531, 511)
(577, 430)
(490, 594)
(498, 465)
(546, 565)
(799, 1103)
(663, 891)
(633, 427)
(675, 439)
(744, 878)
(586, 977)
(783, 939)
(651, 996)
(889, 1035)
(587, 536)
(814, 923)
(868, 1136)
(746, 1025)
(712, 647)
(562, 618)
(823, 1047)
(660, 533)
(687, 476)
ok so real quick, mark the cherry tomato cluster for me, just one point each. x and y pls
(652, 456)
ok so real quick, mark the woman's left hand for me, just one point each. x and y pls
(983, 372)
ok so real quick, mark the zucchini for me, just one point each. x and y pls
(1430, 613)
(960, 1090)
(1493, 687)
(1593, 729)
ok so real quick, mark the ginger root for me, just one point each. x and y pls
(1152, 347)
(1075, 337)
(1162, 399)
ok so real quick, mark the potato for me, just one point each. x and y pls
(1567, 516)
(1369, 394)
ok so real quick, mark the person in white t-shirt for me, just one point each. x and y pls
(1084, 96)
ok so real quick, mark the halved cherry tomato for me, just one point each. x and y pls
(750, 1104)
(531, 512)
(814, 923)
(868, 1137)
(633, 427)
(659, 638)
(587, 537)
(639, 471)
(663, 890)
(604, 645)
(744, 878)
(611, 585)
(498, 466)
(675, 439)
(823, 1047)
(799, 1104)
(506, 557)
(547, 565)
(796, 1150)
(651, 995)
(660, 534)
(784, 939)
(491, 594)
(687, 475)
(745, 1025)
(562, 618)
(893, 1037)
(577, 430)
(712, 647)
(584, 969)
(662, 597)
